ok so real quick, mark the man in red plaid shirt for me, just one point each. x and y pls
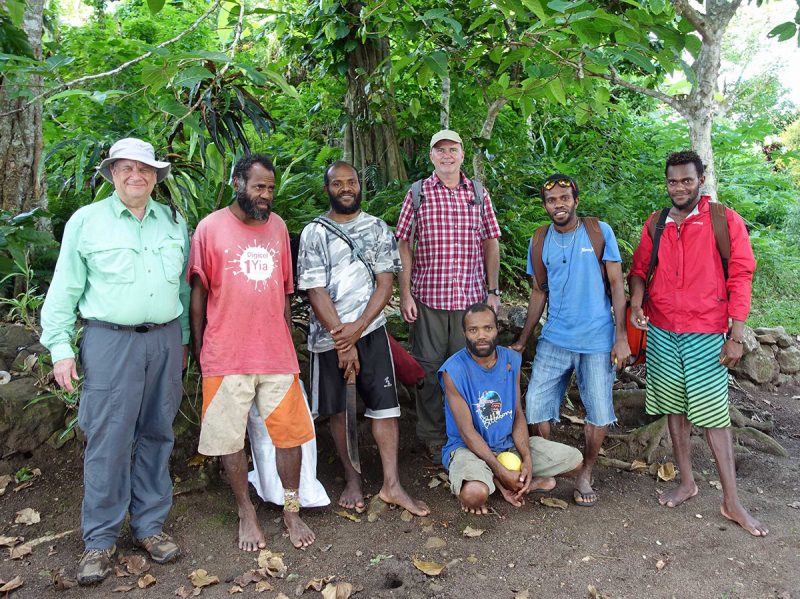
(455, 263)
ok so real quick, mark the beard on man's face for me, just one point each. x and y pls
(483, 351)
(248, 206)
(340, 208)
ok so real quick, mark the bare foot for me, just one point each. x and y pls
(300, 534)
(396, 495)
(478, 511)
(742, 517)
(251, 537)
(542, 483)
(352, 496)
(677, 496)
(510, 496)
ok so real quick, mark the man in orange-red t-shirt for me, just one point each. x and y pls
(240, 269)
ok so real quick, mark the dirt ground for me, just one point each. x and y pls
(626, 546)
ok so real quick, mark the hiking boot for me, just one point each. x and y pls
(161, 547)
(95, 565)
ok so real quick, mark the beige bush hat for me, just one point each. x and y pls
(446, 134)
(131, 148)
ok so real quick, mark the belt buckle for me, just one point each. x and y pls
(141, 328)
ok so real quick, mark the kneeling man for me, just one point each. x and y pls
(484, 417)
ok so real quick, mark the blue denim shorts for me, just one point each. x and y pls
(552, 369)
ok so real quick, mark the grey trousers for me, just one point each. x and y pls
(131, 395)
(435, 336)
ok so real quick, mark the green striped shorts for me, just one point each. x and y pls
(684, 376)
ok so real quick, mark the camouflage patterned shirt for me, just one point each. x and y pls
(325, 260)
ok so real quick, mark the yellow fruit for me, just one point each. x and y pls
(510, 460)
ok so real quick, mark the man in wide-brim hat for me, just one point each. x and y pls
(123, 267)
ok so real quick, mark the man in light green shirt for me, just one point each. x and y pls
(122, 265)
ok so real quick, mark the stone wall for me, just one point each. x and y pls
(771, 359)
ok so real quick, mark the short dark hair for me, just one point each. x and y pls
(685, 157)
(241, 169)
(326, 178)
(475, 309)
(559, 177)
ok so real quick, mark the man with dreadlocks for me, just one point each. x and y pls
(123, 266)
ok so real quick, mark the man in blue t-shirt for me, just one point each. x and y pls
(483, 415)
(580, 334)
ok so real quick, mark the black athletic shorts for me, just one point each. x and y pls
(375, 382)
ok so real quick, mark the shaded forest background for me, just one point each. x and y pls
(602, 91)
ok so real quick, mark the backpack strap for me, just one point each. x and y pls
(537, 247)
(416, 200)
(719, 222)
(477, 189)
(655, 228)
(592, 226)
(355, 249)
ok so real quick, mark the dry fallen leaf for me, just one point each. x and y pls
(587, 558)
(472, 559)
(27, 516)
(716, 484)
(262, 586)
(183, 592)
(347, 515)
(235, 589)
(51, 551)
(553, 502)
(660, 564)
(5, 479)
(24, 485)
(248, 577)
(436, 542)
(135, 564)
(19, 551)
(12, 584)
(434, 482)
(638, 465)
(60, 580)
(318, 583)
(574, 419)
(200, 578)
(794, 504)
(10, 541)
(429, 568)
(340, 590)
(272, 563)
(121, 572)
(281, 596)
(522, 595)
(197, 461)
(145, 581)
(666, 472)
(593, 593)
(471, 533)
(123, 588)
(406, 516)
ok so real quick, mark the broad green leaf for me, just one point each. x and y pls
(639, 60)
(424, 74)
(563, 6)
(155, 5)
(693, 45)
(657, 6)
(414, 107)
(437, 62)
(535, 6)
(66, 94)
(191, 76)
(581, 114)
(784, 31)
(278, 79)
(16, 11)
(156, 76)
(602, 94)
(556, 88)
(59, 60)
(503, 80)
(488, 14)
(101, 96)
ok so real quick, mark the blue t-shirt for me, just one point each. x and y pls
(578, 309)
(490, 393)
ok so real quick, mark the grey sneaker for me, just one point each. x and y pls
(95, 565)
(161, 547)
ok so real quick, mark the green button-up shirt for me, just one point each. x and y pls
(116, 268)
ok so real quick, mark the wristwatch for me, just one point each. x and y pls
(496, 292)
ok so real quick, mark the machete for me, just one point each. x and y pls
(351, 424)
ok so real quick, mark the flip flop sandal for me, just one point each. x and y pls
(582, 499)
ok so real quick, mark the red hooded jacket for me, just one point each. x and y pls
(688, 293)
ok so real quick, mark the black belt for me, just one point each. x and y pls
(131, 328)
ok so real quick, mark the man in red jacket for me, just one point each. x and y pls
(694, 319)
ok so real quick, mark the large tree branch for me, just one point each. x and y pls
(80, 80)
(696, 18)
(614, 78)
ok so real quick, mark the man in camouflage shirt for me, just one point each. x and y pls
(346, 263)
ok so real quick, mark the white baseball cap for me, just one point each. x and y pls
(446, 134)
(131, 148)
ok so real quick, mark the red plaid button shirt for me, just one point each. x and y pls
(448, 269)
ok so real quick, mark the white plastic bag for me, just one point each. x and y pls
(264, 476)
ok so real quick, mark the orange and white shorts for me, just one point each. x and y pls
(227, 401)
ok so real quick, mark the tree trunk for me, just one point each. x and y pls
(486, 133)
(370, 136)
(444, 111)
(21, 187)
